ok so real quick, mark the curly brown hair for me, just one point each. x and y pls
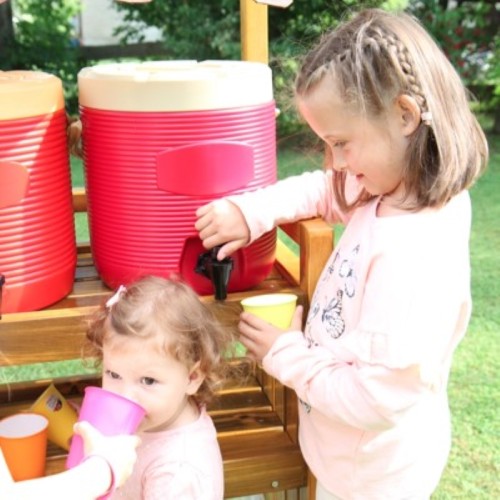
(156, 306)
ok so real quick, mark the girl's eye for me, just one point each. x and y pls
(112, 375)
(148, 381)
(339, 144)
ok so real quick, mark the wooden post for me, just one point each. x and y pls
(254, 32)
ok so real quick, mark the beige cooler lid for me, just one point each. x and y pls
(175, 85)
(24, 94)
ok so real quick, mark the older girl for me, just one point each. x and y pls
(393, 302)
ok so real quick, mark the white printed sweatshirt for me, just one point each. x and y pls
(372, 366)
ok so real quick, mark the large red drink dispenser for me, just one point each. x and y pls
(160, 139)
(37, 236)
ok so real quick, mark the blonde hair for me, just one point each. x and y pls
(155, 306)
(378, 56)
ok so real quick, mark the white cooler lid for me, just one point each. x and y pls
(25, 94)
(175, 85)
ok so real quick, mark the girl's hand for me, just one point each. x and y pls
(118, 451)
(258, 335)
(222, 223)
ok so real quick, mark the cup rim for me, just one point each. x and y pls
(114, 395)
(41, 426)
(269, 299)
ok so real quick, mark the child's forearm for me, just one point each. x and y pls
(87, 481)
(300, 197)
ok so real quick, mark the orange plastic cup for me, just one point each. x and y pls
(62, 416)
(23, 440)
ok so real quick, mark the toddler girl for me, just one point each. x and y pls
(161, 347)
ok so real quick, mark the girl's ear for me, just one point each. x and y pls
(409, 113)
(196, 378)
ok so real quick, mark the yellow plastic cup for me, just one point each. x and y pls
(23, 440)
(60, 414)
(275, 308)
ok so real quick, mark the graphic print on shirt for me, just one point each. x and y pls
(331, 316)
(341, 272)
(329, 309)
(346, 271)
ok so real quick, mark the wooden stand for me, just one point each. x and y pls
(256, 419)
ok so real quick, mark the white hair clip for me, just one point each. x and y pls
(426, 117)
(116, 297)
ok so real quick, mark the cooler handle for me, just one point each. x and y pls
(205, 168)
(14, 180)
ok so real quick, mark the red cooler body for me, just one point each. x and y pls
(37, 235)
(160, 140)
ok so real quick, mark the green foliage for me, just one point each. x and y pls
(191, 30)
(44, 41)
(474, 389)
(211, 30)
(465, 33)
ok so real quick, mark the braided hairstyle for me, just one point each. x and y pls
(372, 60)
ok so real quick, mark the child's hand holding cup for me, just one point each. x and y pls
(109, 413)
(275, 308)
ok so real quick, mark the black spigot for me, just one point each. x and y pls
(2, 283)
(218, 271)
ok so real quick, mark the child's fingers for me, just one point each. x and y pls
(87, 431)
(297, 318)
(229, 248)
(203, 210)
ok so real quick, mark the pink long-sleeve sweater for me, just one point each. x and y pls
(372, 366)
(183, 463)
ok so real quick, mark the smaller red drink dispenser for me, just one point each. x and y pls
(161, 139)
(37, 236)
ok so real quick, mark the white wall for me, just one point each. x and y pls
(98, 20)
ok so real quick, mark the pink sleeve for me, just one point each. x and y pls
(299, 197)
(399, 349)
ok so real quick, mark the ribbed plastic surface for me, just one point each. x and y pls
(136, 227)
(37, 236)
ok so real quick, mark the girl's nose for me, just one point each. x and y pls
(338, 160)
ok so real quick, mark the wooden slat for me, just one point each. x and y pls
(58, 331)
(244, 458)
(79, 200)
(255, 416)
(315, 240)
(254, 31)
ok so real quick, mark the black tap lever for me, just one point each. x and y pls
(218, 271)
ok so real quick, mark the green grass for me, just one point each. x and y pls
(474, 390)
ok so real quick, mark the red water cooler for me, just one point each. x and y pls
(37, 236)
(160, 139)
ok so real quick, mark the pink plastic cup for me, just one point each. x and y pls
(108, 412)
